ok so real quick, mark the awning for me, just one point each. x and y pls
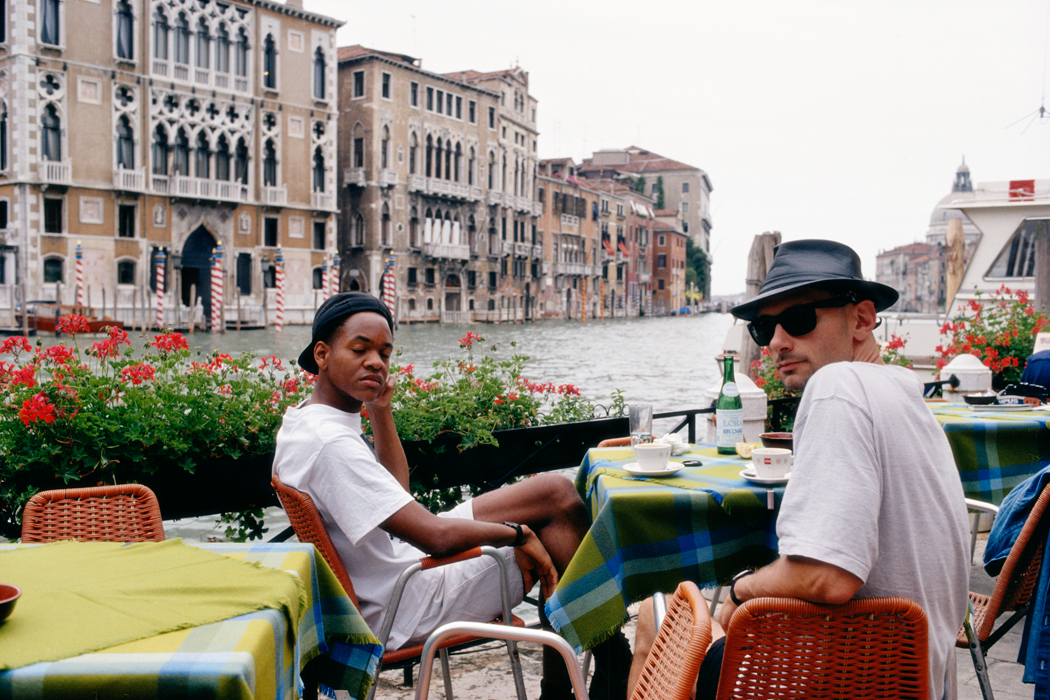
(608, 246)
(651, 214)
(623, 249)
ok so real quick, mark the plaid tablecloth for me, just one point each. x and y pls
(702, 524)
(252, 656)
(994, 451)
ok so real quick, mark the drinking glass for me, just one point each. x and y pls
(641, 418)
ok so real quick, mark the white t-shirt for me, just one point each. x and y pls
(321, 451)
(874, 490)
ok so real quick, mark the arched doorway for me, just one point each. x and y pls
(453, 293)
(196, 269)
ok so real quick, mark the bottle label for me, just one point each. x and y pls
(729, 389)
(730, 425)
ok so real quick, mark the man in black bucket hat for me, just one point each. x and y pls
(874, 505)
(379, 529)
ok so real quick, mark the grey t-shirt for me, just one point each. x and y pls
(874, 490)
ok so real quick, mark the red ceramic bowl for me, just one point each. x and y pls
(782, 440)
(8, 597)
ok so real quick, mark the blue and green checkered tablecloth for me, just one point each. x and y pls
(994, 451)
(702, 524)
(250, 656)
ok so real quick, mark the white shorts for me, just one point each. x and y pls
(469, 590)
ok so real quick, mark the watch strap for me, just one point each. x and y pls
(732, 586)
(519, 538)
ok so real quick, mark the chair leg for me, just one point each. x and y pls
(447, 673)
(714, 601)
(515, 667)
(980, 661)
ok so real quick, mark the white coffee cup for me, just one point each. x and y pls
(771, 462)
(652, 457)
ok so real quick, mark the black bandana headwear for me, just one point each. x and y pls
(331, 315)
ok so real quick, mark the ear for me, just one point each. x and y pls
(321, 353)
(866, 318)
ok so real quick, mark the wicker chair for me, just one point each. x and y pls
(615, 442)
(866, 648)
(310, 527)
(119, 513)
(1013, 590)
(670, 669)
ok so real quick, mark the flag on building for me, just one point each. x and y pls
(388, 287)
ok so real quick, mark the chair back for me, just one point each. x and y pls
(615, 442)
(1020, 572)
(866, 648)
(310, 527)
(681, 642)
(115, 513)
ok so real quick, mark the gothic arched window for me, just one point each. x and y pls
(203, 164)
(318, 170)
(222, 159)
(319, 73)
(125, 31)
(125, 144)
(159, 151)
(222, 50)
(182, 154)
(269, 164)
(240, 163)
(241, 62)
(182, 40)
(270, 63)
(203, 44)
(52, 134)
(160, 35)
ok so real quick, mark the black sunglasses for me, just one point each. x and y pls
(795, 320)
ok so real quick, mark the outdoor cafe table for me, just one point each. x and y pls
(89, 594)
(702, 524)
(994, 450)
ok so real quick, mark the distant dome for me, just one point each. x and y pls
(942, 216)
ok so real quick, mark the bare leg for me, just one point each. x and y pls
(548, 504)
(551, 507)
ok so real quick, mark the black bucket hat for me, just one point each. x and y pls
(829, 265)
(331, 315)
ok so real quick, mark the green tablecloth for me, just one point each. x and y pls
(994, 451)
(256, 655)
(703, 524)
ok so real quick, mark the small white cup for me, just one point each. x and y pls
(771, 462)
(652, 457)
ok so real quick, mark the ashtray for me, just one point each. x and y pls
(9, 595)
(980, 399)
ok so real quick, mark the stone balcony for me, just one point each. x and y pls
(129, 180)
(387, 178)
(446, 251)
(522, 250)
(322, 201)
(274, 196)
(495, 198)
(202, 188)
(355, 177)
(57, 172)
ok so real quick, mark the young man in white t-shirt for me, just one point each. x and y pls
(379, 528)
(875, 506)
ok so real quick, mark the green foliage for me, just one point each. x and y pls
(659, 191)
(475, 395)
(695, 266)
(639, 184)
(1000, 332)
(109, 414)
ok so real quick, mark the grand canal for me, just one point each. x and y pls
(667, 361)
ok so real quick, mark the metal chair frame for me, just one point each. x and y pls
(1013, 591)
(310, 527)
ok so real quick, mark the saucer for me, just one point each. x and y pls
(672, 468)
(1005, 408)
(751, 475)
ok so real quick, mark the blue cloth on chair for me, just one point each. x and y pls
(1035, 641)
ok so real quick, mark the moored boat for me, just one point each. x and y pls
(42, 316)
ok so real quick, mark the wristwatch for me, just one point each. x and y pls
(732, 586)
(520, 538)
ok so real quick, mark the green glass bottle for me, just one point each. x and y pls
(729, 411)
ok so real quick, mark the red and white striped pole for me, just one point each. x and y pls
(279, 322)
(80, 275)
(216, 289)
(324, 278)
(160, 288)
(333, 276)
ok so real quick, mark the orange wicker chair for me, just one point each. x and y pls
(866, 648)
(1013, 590)
(679, 648)
(119, 513)
(615, 442)
(309, 527)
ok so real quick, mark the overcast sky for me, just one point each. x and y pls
(842, 120)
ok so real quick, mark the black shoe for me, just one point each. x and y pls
(612, 666)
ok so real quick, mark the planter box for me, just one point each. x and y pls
(521, 451)
(217, 486)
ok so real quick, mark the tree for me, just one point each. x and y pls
(695, 265)
(639, 184)
(660, 192)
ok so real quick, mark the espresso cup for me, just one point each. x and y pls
(771, 462)
(652, 456)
